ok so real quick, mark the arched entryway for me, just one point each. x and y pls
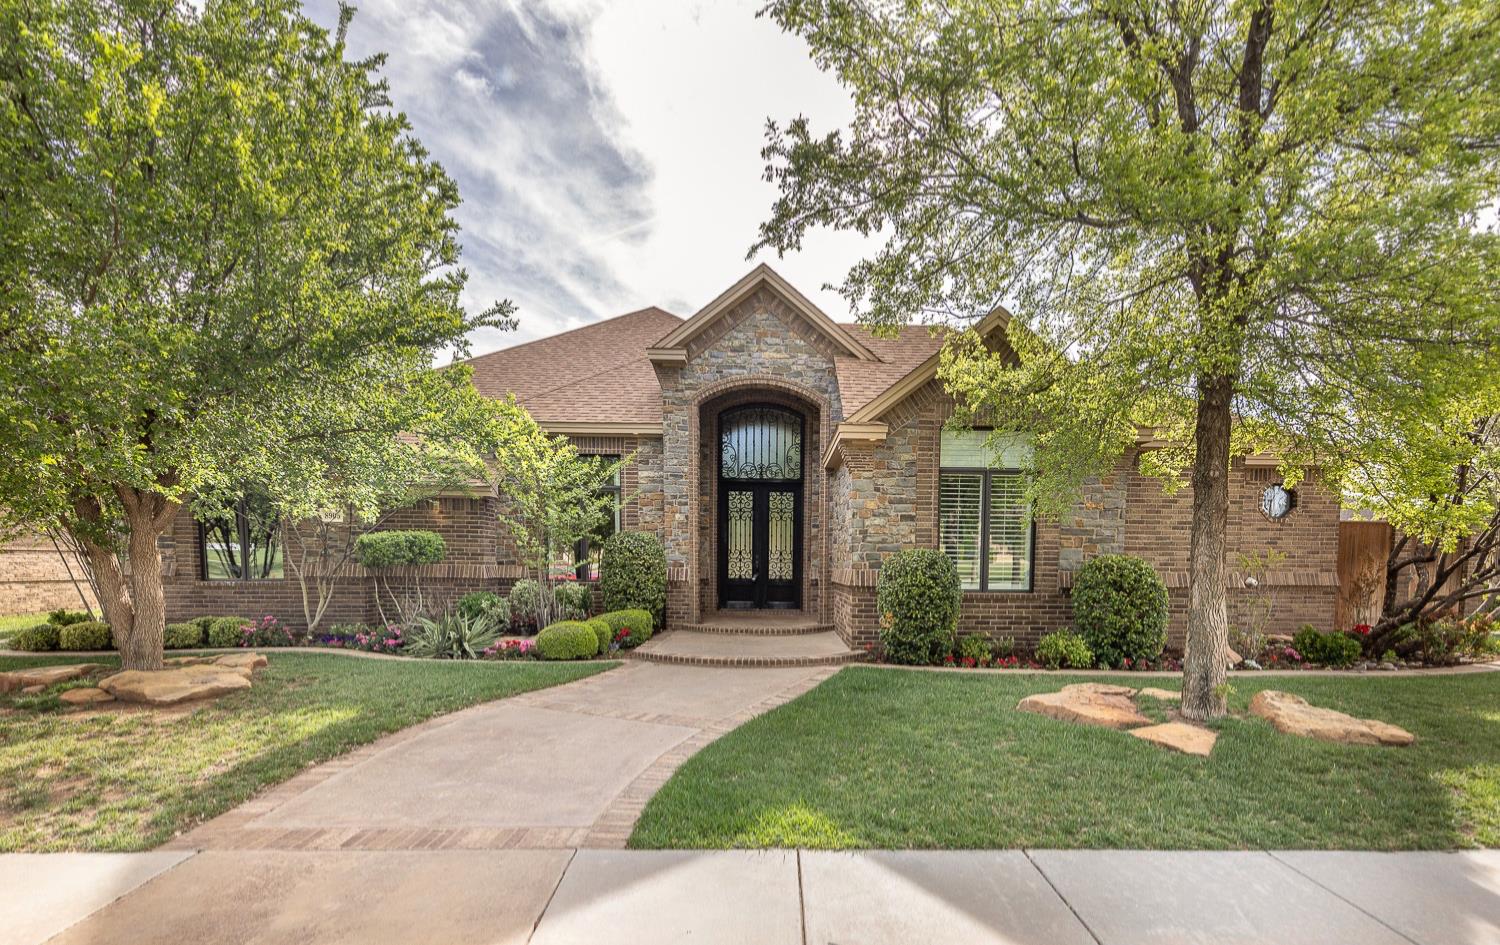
(760, 508)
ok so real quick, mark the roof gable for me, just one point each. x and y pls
(894, 393)
(672, 348)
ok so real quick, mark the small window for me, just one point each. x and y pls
(242, 546)
(984, 524)
(1277, 502)
(586, 555)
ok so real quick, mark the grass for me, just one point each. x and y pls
(886, 759)
(130, 779)
(13, 622)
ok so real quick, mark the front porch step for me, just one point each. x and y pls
(746, 650)
(760, 625)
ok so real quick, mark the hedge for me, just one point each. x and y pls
(567, 640)
(227, 631)
(638, 622)
(85, 635)
(603, 633)
(183, 636)
(37, 639)
(1120, 609)
(918, 600)
(633, 574)
(397, 547)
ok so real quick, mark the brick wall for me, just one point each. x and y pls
(34, 577)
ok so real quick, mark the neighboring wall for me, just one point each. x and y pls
(892, 503)
(35, 577)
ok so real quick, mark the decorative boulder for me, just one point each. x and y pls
(85, 696)
(1179, 736)
(244, 663)
(44, 676)
(1089, 704)
(1294, 715)
(171, 686)
(1165, 695)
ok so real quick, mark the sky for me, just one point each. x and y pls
(608, 154)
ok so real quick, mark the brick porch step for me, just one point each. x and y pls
(760, 623)
(746, 650)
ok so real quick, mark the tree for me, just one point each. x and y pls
(215, 234)
(551, 497)
(1228, 223)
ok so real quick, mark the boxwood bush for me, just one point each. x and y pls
(85, 635)
(638, 622)
(1329, 649)
(567, 640)
(1063, 649)
(603, 633)
(37, 639)
(227, 631)
(633, 574)
(390, 549)
(183, 636)
(1120, 609)
(918, 599)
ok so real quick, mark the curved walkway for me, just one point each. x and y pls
(566, 767)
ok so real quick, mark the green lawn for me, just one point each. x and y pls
(131, 779)
(887, 759)
(10, 624)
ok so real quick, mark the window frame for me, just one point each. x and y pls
(986, 475)
(243, 544)
(583, 549)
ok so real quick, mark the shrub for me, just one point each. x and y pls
(525, 602)
(572, 599)
(567, 640)
(1003, 647)
(204, 623)
(1120, 609)
(633, 574)
(450, 637)
(226, 631)
(268, 631)
(636, 623)
(62, 617)
(37, 639)
(85, 635)
(486, 605)
(1064, 648)
(357, 636)
(974, 649)
(918, 599)
(604, 634)
(399, 547)
(1445, 641)
(1329, 649)
(183, 636)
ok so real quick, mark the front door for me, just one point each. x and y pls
(760, 508)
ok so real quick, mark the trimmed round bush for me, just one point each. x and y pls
(918, 600)
(85, 635)
(37, 639)
(1120, 609)
(567, 640)
(182, 636)
(227, 631)
(1064, 649)
(1328, 649)
(602, 632)
(397, 547)
(638, 622)
(633, 574)
(573, 599)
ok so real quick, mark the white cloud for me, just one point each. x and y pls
(608, 154)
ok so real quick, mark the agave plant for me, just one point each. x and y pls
(453, 636)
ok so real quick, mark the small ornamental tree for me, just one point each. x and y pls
(216, 238)
(1235, 224)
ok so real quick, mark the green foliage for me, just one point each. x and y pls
(638, 622)
(227, 631)
(604, 634)
(37, 639)
(572, 599)
(1004, 646)
(183, 636)
(85, 635)
(1120, 609)
(1063, 649)
(1328, 649)
(526, 601)
(399, 547)
(567, 640)
(62, 617)
(1445, 641)
(450, 637)
(918, 599)
(633, 574)
(975, 647)
(486, 605)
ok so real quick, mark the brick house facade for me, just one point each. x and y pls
(781, 456)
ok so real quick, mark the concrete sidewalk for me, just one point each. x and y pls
(776, 897)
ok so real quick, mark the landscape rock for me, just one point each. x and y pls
(187, 660)
(171, 686)
(1294, 715)
(1234, 659)
(1388, 667)
(1089, 704)
(1179, 736)
(44, 675)
(242, 663)
(85, 696)
(32, 690)
(1166, 695)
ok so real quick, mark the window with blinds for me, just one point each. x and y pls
(983, 522)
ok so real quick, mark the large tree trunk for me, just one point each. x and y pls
(134, 604)
(1207, 656)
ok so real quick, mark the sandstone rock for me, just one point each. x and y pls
(1293, 715)
(1279, 639)
(1089, 704)
(44, 675)
(187, 660)
(243, 663)
(32, 690)
(1179, 736)
(1234, 659)
(171, 686)
(1166, 695)
(85, 696)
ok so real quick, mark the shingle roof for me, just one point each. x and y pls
(595, 373)
(863, 381)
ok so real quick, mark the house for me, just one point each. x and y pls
(781, 456)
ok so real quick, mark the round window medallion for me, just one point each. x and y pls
(1277, 502)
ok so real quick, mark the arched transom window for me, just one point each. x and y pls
(761, 443)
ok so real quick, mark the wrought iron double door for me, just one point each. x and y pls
(760, 544)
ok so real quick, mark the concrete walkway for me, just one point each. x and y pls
(776, 897)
